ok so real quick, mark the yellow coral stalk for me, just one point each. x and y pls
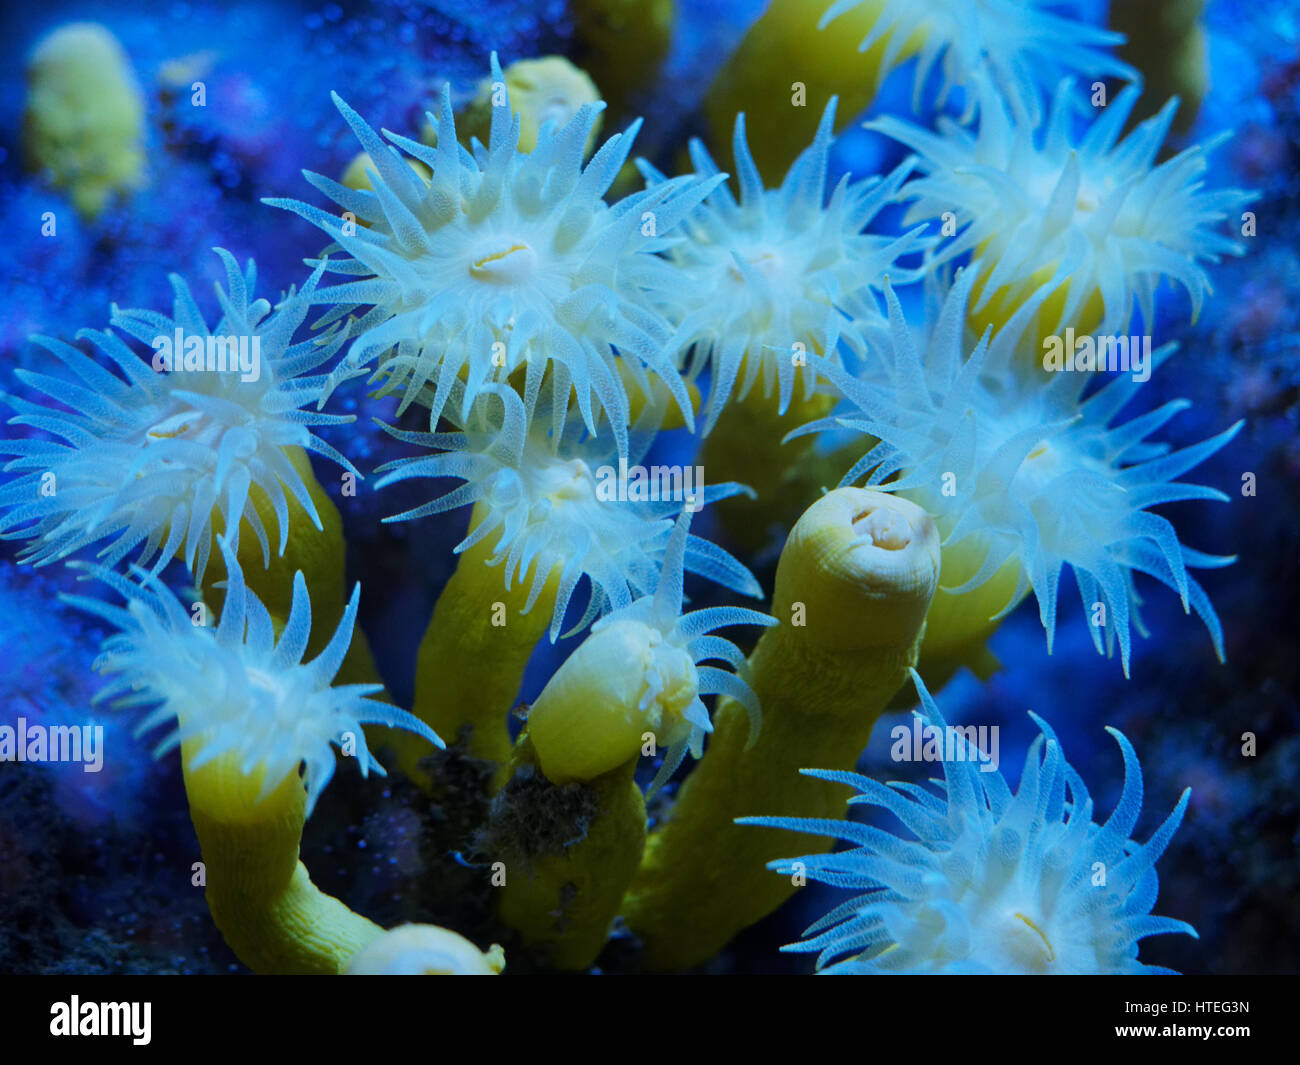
(260, 895)
(747, 446)
(632, 686)
(852, 589)
(1167, 41)
(959, 623)
(257, 728)
(473, 655)
(786, 70)
(622, 43)
(563, 902)
(319, 554)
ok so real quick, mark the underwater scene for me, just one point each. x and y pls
(650, 486)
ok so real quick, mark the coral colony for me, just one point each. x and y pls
(929, 381)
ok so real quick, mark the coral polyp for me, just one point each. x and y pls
(1009, 42)
(1027, 474)
(992, 881)
(547, 498)
(507, 259)
(638, 674)
(782, 277)
(1093, 216)
(237, 690)
(146, 457)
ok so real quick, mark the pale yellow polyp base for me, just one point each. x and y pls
(425, 950)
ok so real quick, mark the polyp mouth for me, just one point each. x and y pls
(883, 528)
(505, 265)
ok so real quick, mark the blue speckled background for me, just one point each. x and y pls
(94, 869)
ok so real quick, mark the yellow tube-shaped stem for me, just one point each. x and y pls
(1168, 43)
(852, 589)
(957, 627)
(562, 904)
(786, 70)
(260, 895)
(321, 556)
(621, 44)
(1047, 320)
(473, 655)
(745, 446)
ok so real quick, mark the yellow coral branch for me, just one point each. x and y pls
(564, 903)
(785, 71)
(852, 589)
(746, 446)
(319, 554)
(473, 655)
(260, 895)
